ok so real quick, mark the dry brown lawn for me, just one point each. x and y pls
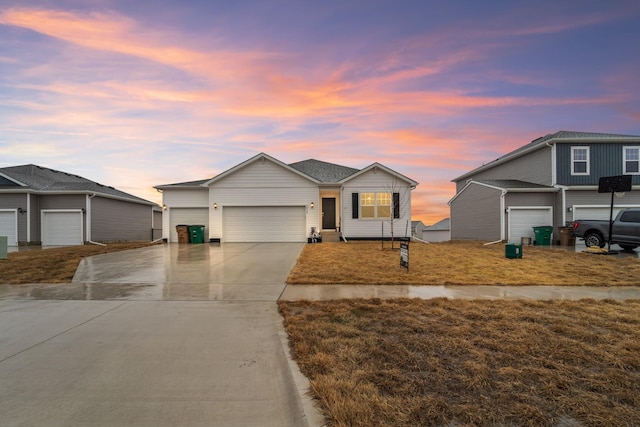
(469, 363)
(55, 265)
(458, 263)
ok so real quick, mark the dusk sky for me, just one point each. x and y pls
(134, 94)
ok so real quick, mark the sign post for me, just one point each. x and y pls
(404, 255)
(613, 184)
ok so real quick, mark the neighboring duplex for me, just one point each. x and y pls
(42, 206)
(548, 182)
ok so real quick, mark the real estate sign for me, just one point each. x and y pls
(404, 255)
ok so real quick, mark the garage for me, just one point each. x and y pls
(595, 212)
(62, 228)
(522, 221)
(9, 226)
(187, 216)
(264, 224)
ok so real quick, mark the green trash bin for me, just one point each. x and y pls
(3, 247)
(513, 250)
(196, 233)
(543, 235)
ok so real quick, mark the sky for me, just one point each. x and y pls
(134, 94)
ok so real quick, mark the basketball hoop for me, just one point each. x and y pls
(619, 193)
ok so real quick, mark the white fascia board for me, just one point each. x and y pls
(390, 171)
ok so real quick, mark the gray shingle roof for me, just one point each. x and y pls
(323, 171)
(197, 183)
(44, 180)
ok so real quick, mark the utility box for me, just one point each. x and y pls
(183, 233)
(513, 250)
(3, 247)
(196, 233)
(543, 235)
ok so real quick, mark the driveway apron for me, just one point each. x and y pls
(161, 336)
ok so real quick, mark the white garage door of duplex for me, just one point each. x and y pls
(61, 228)
(522, 221)
(264, 224)
(8, 227)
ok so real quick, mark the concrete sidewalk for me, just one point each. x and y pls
(328, 292)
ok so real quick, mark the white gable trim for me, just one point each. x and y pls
(257, 158)
(376, 166)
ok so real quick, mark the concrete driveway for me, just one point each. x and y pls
(162, 336)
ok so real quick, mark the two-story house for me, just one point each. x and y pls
(551, 181)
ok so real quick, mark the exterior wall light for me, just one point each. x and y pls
(215, 205)
(312, 205)
(22, 210)
(164, 207)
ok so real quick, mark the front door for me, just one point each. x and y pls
(328, 213)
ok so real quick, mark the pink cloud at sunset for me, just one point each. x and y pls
(133, 96)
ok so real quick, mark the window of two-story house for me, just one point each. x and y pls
(375, 205)
(631, 160)
(579, 160)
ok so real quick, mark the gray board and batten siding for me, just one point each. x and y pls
(597, 168)
(477, 214)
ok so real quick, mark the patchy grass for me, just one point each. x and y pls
(458, 263)
(55, 265)
(469, 363)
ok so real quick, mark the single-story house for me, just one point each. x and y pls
(438, 232)
(549, 182)
(265, 200)
(42, 206)
(416, 229)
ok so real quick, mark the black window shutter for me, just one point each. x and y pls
(396, 205)
(354, 205)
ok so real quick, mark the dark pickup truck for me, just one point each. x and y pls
(625, 230)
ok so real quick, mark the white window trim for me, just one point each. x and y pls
(588, 160)
(624, 159)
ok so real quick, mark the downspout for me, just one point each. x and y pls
(28, 218)
(502, 220)
(563, 190)
(88, 222)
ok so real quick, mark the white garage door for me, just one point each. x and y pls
(188, 216)
(522, 221)
(62, 228)
(597, 212)
(264, 224)
(9, 227)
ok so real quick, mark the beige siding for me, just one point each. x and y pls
(375, 182)
(262, 184)
(476, 213)
(265, 174)
(186, 198)
(116, 220)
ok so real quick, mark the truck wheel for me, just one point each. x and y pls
(628, 248)
(594, 239)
